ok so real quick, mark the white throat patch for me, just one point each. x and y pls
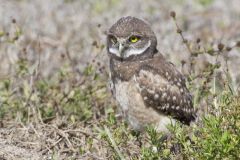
(114, 51)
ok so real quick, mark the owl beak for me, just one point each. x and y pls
(121, 50)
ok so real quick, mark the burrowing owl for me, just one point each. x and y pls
(149, 89)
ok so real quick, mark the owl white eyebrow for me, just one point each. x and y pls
(138, 51)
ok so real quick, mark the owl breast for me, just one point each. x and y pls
(132, 105)
(130, 102)
(121, 95)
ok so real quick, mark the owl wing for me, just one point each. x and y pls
(163, 88)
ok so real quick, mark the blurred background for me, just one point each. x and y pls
(52, 28)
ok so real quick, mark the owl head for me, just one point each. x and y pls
(129, 38)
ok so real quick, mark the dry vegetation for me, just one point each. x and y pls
(54, 100)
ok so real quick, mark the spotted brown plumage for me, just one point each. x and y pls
(164, 89)
(149, 89)
(160, 84)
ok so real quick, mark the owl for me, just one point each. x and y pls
(148, 88)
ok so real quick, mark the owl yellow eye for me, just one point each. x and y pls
(134, 39)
